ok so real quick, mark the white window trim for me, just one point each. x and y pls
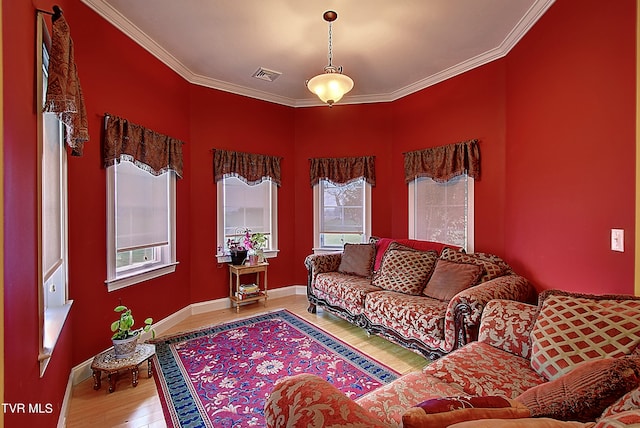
(317, 247)
(469, 247)
(273, 252)
(115, 282)
(51, 319)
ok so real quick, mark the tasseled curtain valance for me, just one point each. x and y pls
(249, 167)
(149, 150)
(64, 94)
(443, 163)
(343, 170)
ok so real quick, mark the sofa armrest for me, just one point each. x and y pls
(506, 325)
(319, 263)
(309, 401)
(465, 309)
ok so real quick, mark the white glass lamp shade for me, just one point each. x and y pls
(330, 87)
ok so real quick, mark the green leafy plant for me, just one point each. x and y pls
(123, 327)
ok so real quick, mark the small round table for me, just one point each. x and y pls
(107, 362)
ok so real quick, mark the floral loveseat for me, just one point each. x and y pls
(570, 361)
(425, 296)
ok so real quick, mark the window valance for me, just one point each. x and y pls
(251, 168)
(149, 150)
(64, 94)
(444, 162)
(343, 170)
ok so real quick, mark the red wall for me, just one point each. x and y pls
(555, 120)
(225, 121)
(570, 168)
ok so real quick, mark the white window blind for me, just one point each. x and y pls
(142, 216)
(247, 207)
(442, 212)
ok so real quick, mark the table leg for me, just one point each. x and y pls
(97, 381)
(134, 376)
(113, 378)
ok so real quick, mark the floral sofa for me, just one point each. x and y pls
(425, 296)
(570, 361)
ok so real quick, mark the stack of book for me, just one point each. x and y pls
(248, 290)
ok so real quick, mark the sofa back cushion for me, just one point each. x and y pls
(383, 243)
(571, 328)
(449, 278)
(357, 259)
(405, 270)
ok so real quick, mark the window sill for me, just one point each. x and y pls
(225, 258)
(135, 278)
(54, 319)
(327, 250)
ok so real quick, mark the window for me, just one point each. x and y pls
(342, 214)
(54, 304)
(241, 207)
(141, 224)
(442, 212)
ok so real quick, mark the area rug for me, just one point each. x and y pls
(220, 376)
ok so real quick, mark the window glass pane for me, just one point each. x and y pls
(343, 213)
(441, 210)
(142, 214)
(52, 214)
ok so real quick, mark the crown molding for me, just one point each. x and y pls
(114, 17)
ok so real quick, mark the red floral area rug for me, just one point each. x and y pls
(220, 376)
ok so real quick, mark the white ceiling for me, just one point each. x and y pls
(389, 48)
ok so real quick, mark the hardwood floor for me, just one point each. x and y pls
(140, 406)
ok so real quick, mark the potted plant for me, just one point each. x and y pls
(125, 337)
(238, 252)
(255, 242)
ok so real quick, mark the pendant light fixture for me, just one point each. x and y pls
(331, 85)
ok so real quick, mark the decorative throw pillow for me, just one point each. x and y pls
(629, 401)
(583, 393)
(449, 278)
(405, 271)
(490, 270)
(572, 328)
(629, 418)
(442, 412)
(383, 243)
(357, 259)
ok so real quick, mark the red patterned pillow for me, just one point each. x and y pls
(442, 412)
(629, 418)
(449, 278)
(572, 328)
(357, 259)
(629, 401)
(490, 270)
(406, 271)
(583, 393)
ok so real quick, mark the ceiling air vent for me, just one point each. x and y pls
(266, 74)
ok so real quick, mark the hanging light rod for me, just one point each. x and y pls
(330, 86)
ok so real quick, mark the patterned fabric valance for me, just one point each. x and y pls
(249, 167)
(343, 170)
(64, 94)
(149, 150)
(443, 163)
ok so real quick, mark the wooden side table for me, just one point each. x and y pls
(107, 362)
(234, 286)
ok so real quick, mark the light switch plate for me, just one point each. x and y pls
(617, 240)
